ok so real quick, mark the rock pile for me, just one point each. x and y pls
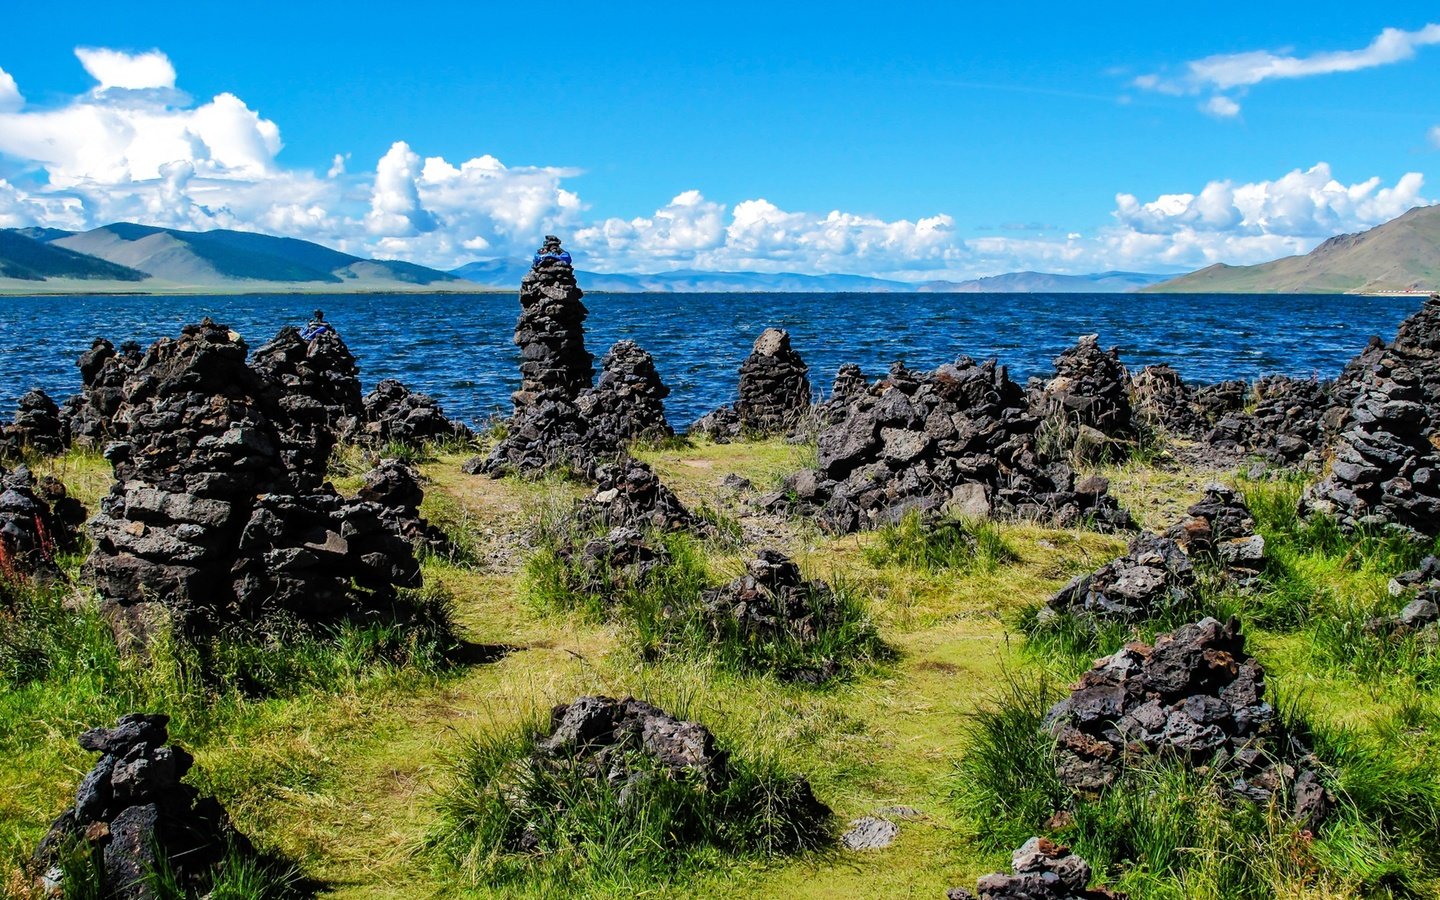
(207, 520)
(134, 813)
(1044, 870)
(774, 392)
(1162, 399)
(1385, 471)
(628, 743)
(627, 403)
(392, 413)
(628, 493)
(316, 386)
(1284, 426)
(1091, 389)
(551, 330)
(37, 522)
(959, 439)
(1220, 529)
(621, 555)
(550, 434)
(1153, 575)
(102, 375)
(395, 488)
(37, 427)
(1421, 615)
(1196, 695)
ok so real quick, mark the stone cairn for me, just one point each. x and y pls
(957, 440)
(134, 813)
(1284, 427)
(628, 743)
(620, 556)
(103, 371)
(1196, 695)
(1090, 389)
(316, 385)
(774, 392)
(1421, 615)
(627, 403)
(392, 413)
(773, 601)
(205, 520)
(1220, 529)
(1385, 472)
(38, 427)
(38, 521)
(1044, 870)
(629, 494)
(1153, 575)
(1163, 400)
(395, 489)
(551, 330)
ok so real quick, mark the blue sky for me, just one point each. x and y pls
(909, 140)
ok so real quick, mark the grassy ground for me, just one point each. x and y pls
(344, 776)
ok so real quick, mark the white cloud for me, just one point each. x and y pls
(337, 165)
(117, 69)
(10, 97)
(1228, 72)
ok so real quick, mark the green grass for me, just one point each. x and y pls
(947, 545)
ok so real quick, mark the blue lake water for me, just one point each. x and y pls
(458, 347)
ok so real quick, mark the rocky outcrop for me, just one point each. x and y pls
(315, 384)
(1043, 870)
(1197, 696)
(958, 440)
(774, 392)
(1152, 576)
(392, 413)
(38, 521)
(627, 403)
(103, 372)
(1385, 472)
(1090, 389)
(37, 428)
(134, 812)
(629, 494)
(551, 330)
(208, 522)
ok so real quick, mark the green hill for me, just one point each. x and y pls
(25, 258)
(1401, 255)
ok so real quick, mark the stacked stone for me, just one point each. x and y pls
(392, 413)
(1419, 616)
(849, 384)
(1220, 529)
(207, 522)
(1153, 575)
(1197, 695)
(103, 372)
(960, 439)
(1218, 400)
(627, 403)
(316, 386)
(395, 488)
(774, 392)
(38, 427)
(1385, 471)
(628, 743)
(1163, 400)
(37, 522)
(134, 813)
(1416, 344)
(771, 602)
(1043, 870)
(621, 555)
(1091, 389)
(1285, 424)
(550, 435)
(551, 330)
(628, 493)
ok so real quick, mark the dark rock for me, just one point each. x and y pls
(103, 372)
(37, 522)
(627, 403)
(38, 428)
(1090, 388)
(1219, 529)
(774, 392)
(628, 493)
(551, 330)
(395, 414)
(315, 385)
(1152, 576)
(1043, 870)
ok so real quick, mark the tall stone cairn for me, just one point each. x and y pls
(774, 384)
(1091, 388)
(316, 385)
(551, 330)
(628, 402)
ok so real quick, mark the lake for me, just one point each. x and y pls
(457, 346)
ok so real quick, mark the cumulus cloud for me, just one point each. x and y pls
(1228, 72)
(130, 71)
(10, 97)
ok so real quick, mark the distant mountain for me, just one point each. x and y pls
(1401, 255)
(1048, 283)
(506, 273)
(25, 258)
(221, 260)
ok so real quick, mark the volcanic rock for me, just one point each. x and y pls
(1221, 530)
(774, 392)
(1044, 870)
(551, 330)
(1153, 575)
(38, 427)
(103, 372)
(627, 403)
(392, 413)
(1091, 388)
(628, 493)
(1283, 427)
(621, 555)
(133, 811)
(1162, 400)
(548, 434)
(395, 488)
(37, 522)
(316, 386)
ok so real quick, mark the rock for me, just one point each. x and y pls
(1091, 388)
(37, 428)
(1153, 575)
(38, 521)
(1163, 401)
(133, 809)
(1219, 529)
(869, 833)
(1043, 870)
(551, 330)
(629, 494)
(774, 392)
(627, 403)
(395, 414)
(103, 372)
(316, 385)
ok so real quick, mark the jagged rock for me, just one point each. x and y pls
(37, 522)
(628, 493)
(1421, 615)
(316, 386)
(548, 434)
(38, 427)
(1163, 400)
(133, 810)
(1220, 529)
(1153, 575)
(395, 488)
(869, 833)
(395, 414)
(102, 374)
(774, 392)
(1091, 388)
(960, 439)
(1385, 472)
(627, 403)
(1283, 427)
(551, 330)
(1043, 870)
(1196, 695)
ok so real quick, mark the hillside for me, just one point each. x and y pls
(1401, 255)
(172, 260)
(1048, 283)
(24, 258)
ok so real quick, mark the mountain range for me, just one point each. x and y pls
(1400, 255)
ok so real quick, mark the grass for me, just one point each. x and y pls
(947, 545)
